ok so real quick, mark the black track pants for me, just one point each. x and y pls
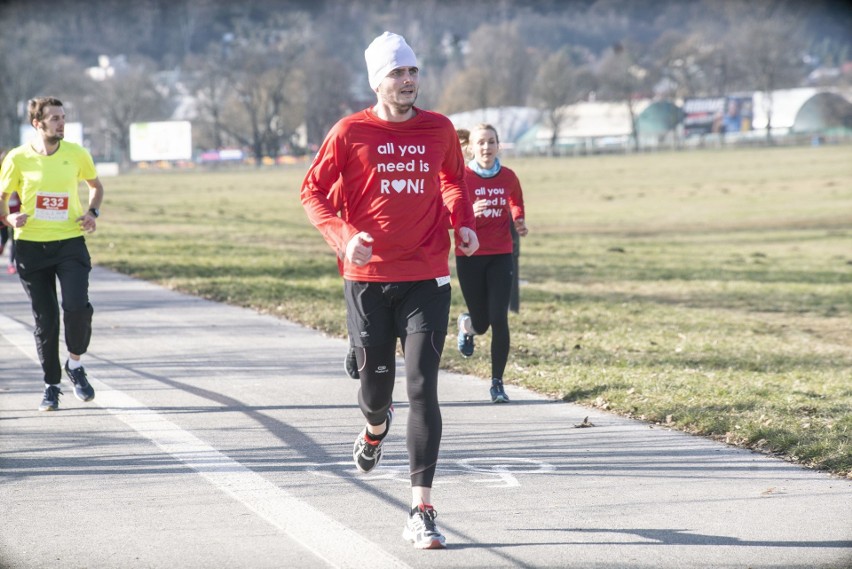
(39, 265)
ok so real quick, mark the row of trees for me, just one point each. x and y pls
(253, 73)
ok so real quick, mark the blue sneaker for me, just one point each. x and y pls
(498, 395)
(82, 389)
(50, 402)
(465, 340)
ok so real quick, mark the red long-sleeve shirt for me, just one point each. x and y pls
(395, 179)
(506, 202)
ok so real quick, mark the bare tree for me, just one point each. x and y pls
(621, 78)
(499, 52)
(326, 100)
(210, 87)
(769, 45)
(686, 64)
(130, 96)
(467, 90)
(266, 103)
(25, 68)
(559, 83)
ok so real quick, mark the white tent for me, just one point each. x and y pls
(510, 122)
(587, 124)
(595, 120)
(783, 103)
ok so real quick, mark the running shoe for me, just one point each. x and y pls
(465, 340)
(498, 395)
(51, 398)
(350, 364)
(421, 531)
(367, 453)
(82, 389)
(11, 269)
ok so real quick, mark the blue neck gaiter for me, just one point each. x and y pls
(489, 173)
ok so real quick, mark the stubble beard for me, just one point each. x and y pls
(392, 99)
(402, 108)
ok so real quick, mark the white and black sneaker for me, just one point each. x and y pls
(83, 390)
(367, 452)
(420, 529)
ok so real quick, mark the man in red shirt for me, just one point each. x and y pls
(399, 168)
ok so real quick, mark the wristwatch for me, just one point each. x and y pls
(95, 211)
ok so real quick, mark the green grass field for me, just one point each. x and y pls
(706, 291)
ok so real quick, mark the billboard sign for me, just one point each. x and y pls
(702, 115)
(154, 141)
(739, 112)
(716, 115)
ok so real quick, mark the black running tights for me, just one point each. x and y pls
(486, 283)
(377, 367)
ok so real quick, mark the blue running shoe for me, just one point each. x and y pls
(82, 389)
(51, 398)
(465, 340)
(498, 395)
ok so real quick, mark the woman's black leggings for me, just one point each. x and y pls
(376, 365)
(486, 283)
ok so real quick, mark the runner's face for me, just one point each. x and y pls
(483, 143)
(52, 125)
(399, 88)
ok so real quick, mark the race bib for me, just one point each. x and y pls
(51, 206)
(443, 280)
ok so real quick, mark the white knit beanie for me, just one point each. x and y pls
(386, 53)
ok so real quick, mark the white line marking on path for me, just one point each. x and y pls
(502, 469)
(331, 541)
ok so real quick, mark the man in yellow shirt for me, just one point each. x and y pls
(50, 244)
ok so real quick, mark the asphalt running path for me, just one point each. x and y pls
(219, 436)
